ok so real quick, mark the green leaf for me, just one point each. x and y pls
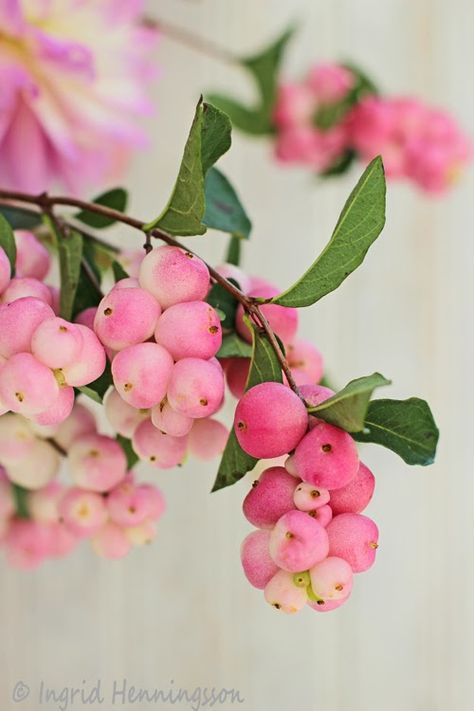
(126, 444)
(116, 199)
(331, 114)
(235, 463)
(265, 367)
(264, 70)
(347, 408)
(341, 165)
(119, 271)
(233, 251)
(97, 389)
(359, 225)
(234, 347)
(20, 496)
(20, 218)
(7, 242)
(407, 427)
(88, 293)
(208, 139)
(223, 301)
(70, 254)
(224, 210)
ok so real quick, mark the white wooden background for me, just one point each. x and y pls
(181, 609)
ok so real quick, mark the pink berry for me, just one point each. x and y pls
(5, 270)
(353, 537)
(26, 544)
(37, 468)
(17, 439)
(123, 417)
(90, 363)
(56, 343)
(86, 317)
(196, 387)
(327, 605)
(258, 566)
(283, 594)
(270, 497)
(170, 421)
(323, 515)
(125, 317)
(161, 450)
(270, 420)
(315, 394)
(282, 319)
(83, 512)
(173, 275)
(18, 321)
(21, 287)
(43, 504)
(308, 497)
(326, 456)
(141, 374)
(27, 386)
(237, 373)
(207, 438)
(331, 579)
(354, 496)
(127, 283)
(155, 501)
(298, 542)
(32, 257)
(97, 462)
(111, 542)
(306, 359)
(190, 330)
(128, 505)
(142, 534)
(59, 410)
(80, 422)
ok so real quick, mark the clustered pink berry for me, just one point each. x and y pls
(312, 535)
(162, 338)
(416, 141)
(104, 503)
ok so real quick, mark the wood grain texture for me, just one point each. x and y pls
(181, 609)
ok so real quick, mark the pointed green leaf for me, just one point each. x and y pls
(119, 271)
(407, 427)
(359, 225)
(224, 302)
(126, 444)
(116, 199)
(20, 497)
(347, 408)
(235, 463)
(7, 242)
(234, 347)
(224, 210)
(233, 251)
(20, 218)
(264, 70)
(70, 255)
(208, 139)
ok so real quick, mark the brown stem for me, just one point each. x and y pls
(57, 447)
(46, 202)
(189, 39)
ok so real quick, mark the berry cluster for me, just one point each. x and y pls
(312, 536)
(42, 356)
(304, 359)
(162, 339)
(104, 504)
(327, 117)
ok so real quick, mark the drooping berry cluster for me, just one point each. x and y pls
(312, 536)
(162, 338)
(42, 356)
(104, 504)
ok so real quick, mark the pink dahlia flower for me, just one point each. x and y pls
(73, 76)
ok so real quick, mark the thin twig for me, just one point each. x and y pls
(189, 39)
(46, 203)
